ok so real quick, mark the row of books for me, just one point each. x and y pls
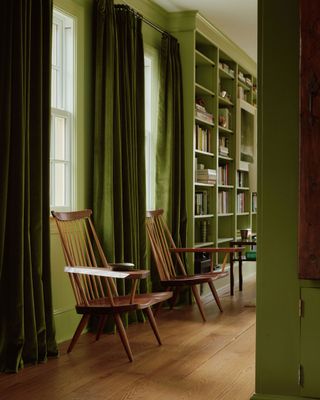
(223, 202)
(203, 138)
(223, 174)
(241, 203)
(201, 203)
(206, 176)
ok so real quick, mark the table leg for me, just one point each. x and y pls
(231, 275)
(240, 270)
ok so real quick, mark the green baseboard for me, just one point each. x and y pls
(260, 396)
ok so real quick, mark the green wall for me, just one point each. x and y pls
(63, 300)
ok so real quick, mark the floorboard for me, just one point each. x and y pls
(212, 360)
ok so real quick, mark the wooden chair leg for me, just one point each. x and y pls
(80, 327)
(198, 300)
(153, 324)
(123, 336)
(215, 295)
(101, 325)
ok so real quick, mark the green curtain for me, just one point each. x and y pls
(119, 193)
(170, 169)
(26, 316)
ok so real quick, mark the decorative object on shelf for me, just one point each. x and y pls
(225, 118)
(224, 146)
(245, 234)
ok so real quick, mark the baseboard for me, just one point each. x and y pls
(260, 396)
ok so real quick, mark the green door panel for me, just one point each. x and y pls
(310, 342)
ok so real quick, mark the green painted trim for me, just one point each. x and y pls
(260, 396)
(182, 21)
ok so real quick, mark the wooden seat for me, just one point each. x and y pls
(163, 247)
(93, 279)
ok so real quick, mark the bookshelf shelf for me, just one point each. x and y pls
(225, 102)
(240, 214)
(201, 90)
(244, 85)
(204, 216)
(242, 188)
(225, 214)
(204, 184)
(201, 59)
(201, 121)
(226, 158)
(225, 187)
(254, 213)
(203, 244)
(225, 240)
(225, 74)
(224, 130)
(204, 153)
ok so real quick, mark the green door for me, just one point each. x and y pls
(310, 343)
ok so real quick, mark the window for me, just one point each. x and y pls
(62, 113)
(151, 104)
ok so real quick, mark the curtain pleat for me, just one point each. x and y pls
(119, 195)
(170, 168)
(26, 316)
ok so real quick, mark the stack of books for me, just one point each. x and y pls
(223, 146)
(203, 115)
(206, 176)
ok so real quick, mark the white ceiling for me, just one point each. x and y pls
(237, 19)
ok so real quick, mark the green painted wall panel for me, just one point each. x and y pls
(278, 140)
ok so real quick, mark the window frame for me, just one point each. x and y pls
(64, 107)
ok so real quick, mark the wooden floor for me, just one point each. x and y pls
(212, 360)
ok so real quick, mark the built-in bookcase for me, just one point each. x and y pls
(220, 130)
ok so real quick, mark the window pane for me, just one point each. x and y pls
(53, 88)
(60, 140)
(54, 43)
(60, 186)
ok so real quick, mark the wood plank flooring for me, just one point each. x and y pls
(212, 360)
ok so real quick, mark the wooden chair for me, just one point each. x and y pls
(93, 279)
(163, 247)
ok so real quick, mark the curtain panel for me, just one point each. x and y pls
(26, 317)
(170, 169)
(119, 193)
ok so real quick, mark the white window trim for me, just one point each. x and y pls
(69, 115)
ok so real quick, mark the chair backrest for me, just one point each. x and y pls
(161, 242)
(81, 247)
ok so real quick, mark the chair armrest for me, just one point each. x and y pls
(137, 274)
(206, 249)
(96, 271)
(121, 266)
